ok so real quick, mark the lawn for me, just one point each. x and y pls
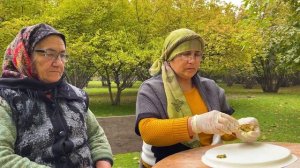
(278, 113)
(100, 101)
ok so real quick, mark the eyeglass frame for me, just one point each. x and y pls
(187, 55)
(63, 56)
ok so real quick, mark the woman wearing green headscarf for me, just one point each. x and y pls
(177, 109)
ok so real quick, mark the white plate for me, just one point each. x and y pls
(249, 155)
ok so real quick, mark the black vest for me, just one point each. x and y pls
(51, 132)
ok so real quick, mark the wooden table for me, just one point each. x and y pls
(192, 158)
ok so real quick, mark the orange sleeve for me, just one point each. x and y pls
(164, 132)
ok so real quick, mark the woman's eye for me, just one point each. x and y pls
(51, 55)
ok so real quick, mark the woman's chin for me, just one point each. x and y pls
(50, 80)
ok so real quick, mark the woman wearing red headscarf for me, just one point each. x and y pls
(45, 121)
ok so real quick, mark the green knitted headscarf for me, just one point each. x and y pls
(178, 41)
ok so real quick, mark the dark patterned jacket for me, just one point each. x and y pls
(54, 132)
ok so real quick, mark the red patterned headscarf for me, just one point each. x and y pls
(17, 61)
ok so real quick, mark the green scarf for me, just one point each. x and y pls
(178, 41)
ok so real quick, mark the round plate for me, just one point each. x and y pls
(248, 155)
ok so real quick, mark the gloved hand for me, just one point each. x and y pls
(249, 129)
(214, 122)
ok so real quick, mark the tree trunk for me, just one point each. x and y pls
(103, 81)
(269, 84)
(249, 82)
(78, 77)
(269, 79)
(117, 100)
(229, 80)
(109, 86)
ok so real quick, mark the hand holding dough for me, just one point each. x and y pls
(249, 129)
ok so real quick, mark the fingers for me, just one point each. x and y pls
(228, 117)
(229, 123)
(221, 130)
(230, 120)
(254, 122)
(216, 122)
(250, 136)
(248, 120)
(256, 132)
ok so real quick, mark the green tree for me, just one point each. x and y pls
(81, 68)
(116, 59)
(277, 52)
(10, 9)
(78, 20)
(225, 53)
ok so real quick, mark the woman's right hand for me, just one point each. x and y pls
(214, 122)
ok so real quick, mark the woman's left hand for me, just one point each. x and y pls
(251, 131)
(103, 164)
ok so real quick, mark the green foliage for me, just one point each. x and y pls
(116, 59)
(132, 33)
(81, 67)
(78, 17)
(277, 48)
(17, 9)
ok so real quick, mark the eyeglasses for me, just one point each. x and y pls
(189, 55)
(53, 55)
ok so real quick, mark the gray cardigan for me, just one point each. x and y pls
(152, 102)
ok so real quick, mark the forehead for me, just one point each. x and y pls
(52, 41)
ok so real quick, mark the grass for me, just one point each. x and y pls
(127, 160)
(100, 102)
(104, 108)
(277, 122)
(278, 113)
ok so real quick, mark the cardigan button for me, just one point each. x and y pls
(62, 133)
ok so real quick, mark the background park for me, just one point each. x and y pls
(252, 51)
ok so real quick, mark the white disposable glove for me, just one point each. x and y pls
(246, 135)
(214, 122)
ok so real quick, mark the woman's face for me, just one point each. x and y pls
(186, 64)
(46, 63)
